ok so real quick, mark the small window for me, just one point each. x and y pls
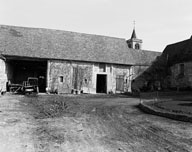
(102, 68)
(85, 80)
(129, 45)
(61, 79)
(137, 46)
(181, 69)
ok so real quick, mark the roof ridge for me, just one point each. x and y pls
(178, 42)
(41, 28)
(151, 51)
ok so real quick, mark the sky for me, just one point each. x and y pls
(158, 22)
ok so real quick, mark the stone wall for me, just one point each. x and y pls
(181, 81)
(126, 72)
(3, 76)
(112, 72)
(63, 76)
(56, 71)
(83, 76)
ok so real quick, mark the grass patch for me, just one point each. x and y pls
(181, 107)
(50, 106)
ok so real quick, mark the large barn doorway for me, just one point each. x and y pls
(21, 70)
(101, 83)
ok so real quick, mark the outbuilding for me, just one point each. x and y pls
(66, 61)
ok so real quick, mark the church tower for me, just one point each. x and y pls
(134, 42)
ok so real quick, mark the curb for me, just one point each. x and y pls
(173, 116)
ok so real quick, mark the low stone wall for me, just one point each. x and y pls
(175, 116)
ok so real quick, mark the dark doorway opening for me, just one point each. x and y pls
(101, 83)
(21, 70)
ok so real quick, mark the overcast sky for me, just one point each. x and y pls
(158, 22)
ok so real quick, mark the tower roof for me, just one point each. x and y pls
(133, 36)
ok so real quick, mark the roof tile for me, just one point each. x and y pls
(65, 45)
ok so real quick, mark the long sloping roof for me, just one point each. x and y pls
(65, 45)
(144, 57)
(179, 52)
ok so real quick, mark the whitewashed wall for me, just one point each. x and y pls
(3, 75)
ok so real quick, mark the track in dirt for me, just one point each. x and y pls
(101, 123)
(119, 126)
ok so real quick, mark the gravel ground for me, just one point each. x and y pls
(87, 123)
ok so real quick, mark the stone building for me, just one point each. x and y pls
(179, 61)
(63, 61)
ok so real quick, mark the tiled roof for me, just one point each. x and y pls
(144, 57)
(179, 52)
(64, 45)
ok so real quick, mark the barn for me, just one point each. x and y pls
(65, 61)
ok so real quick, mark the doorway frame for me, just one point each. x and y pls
(105, 75)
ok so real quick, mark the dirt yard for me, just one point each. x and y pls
(88, 123)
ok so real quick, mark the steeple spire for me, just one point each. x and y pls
(133, 36)
(134, 42)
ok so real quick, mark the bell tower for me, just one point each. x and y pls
(134, 42)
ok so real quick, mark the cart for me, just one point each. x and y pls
(27, 87)
(31, 85)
